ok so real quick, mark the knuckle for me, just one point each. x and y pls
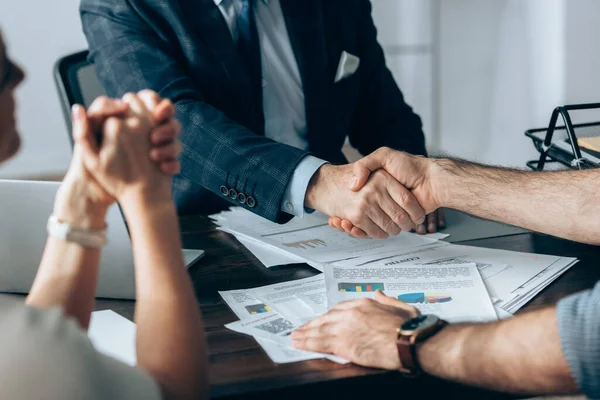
(354, 314)
(99, 103)
(405, 196)
(364, 202)
(364, 302)
(129, 96)
(401, 218)
(134, 123)
(379, 172)
(146, 92)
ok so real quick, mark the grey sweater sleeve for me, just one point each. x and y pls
(44, 355)
(579, 329)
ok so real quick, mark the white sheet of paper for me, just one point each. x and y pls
(502, 271)
(502, 314)
(275, 328)
(113, 335)
(244, 307)
(311, 238)
(454, 292)
(531, 288)
(296, 300)
(266, 255)
(284, 297)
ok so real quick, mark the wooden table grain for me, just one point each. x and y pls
(239, 368)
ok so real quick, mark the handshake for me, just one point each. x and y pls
(380, 195)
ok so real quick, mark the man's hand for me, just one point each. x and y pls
(412, 172)
(436, 220)
(382, 208)
(362, 331)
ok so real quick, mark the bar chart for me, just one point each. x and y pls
(258, 309)
(359, 287)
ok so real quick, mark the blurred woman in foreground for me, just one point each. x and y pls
(45, 352)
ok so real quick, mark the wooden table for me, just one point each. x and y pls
(240, 369)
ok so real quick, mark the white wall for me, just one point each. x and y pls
(38, 32)
(582, 54)
(502, 67)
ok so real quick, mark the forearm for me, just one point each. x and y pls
(562, 204)
(519, 355)
(170, 336)
(68, 272)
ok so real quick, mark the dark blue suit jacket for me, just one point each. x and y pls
(183, 50)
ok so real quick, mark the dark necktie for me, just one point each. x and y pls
(249, 47)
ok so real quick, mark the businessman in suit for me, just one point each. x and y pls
(267, 92)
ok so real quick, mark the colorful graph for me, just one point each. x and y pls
(258, 309)
(425, 298)
(359, 287)
(307, 244)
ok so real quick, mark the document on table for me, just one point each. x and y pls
(274, 328)
(454, 292)
(113, 335)
(311, 238)
(503, 271)
(300, 300)
(524, 293)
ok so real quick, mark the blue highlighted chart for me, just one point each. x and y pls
(258, 309)
(359, 287)
(425, 298)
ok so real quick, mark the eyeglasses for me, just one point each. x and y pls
(9, 72)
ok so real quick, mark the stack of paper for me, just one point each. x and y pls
(457, 283)
(454, 292)
(307, 240)
(511, 278)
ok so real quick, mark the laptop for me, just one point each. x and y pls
(24, 210)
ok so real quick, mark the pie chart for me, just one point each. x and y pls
(425, 298)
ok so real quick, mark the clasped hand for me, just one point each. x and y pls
(137, 152)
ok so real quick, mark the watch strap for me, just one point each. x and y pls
(407, 349)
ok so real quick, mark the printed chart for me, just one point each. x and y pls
(359, 287)
(425, 298)
(307, 244)
(258, 309)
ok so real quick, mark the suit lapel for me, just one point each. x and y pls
(305, 25)
(207, 22)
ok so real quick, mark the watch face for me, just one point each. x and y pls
(419, 323)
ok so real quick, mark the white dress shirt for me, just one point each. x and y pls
(283, 95)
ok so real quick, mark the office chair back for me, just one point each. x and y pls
(77, 83)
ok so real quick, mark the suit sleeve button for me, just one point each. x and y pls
(241, 198)
(250, 202)
(224, 190)
(233, 194)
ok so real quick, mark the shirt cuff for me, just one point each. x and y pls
(295, 192)
(579, 330)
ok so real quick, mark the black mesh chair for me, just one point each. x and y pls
(77, 83)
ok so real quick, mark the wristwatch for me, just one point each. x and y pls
(411, 333)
